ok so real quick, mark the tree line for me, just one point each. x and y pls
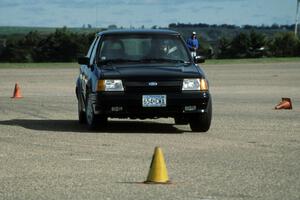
(231, 26)
(255, 44)
(60, 46)
(65, 46)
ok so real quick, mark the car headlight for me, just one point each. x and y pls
(195, 84)
(110, 85)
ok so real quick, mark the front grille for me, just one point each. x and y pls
(153, 86)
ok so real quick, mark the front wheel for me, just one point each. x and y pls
(92, 119)
(81, 113)
(89, 113)
(201, 122)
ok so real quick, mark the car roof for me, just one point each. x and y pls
(138, 31)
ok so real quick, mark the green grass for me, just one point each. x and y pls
(38, 65)
(251, 61)
(22, 30)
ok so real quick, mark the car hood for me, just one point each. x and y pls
(150, 70)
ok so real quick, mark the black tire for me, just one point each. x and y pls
(93, 121)
(201, 122)
(81, 113)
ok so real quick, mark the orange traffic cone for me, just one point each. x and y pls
(286, 103)
(17, 92)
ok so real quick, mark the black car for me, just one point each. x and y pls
(142, 74)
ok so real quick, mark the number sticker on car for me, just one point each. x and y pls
(154, 100)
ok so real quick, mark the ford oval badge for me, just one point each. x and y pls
(152, 83)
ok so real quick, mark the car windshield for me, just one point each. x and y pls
(142, 48)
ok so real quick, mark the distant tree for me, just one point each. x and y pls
(224, 48)
(275, 26)
(172, 25)
(30, 42)
(228, 26)
(21, 50)
(12, 53)
(201, 25)
(84, 41)
(285, 44)
(257, 40)
(59, 46)
(248, 27)
(240, 46)
(112, 26)
(257, 44)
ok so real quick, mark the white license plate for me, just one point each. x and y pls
(154, 100)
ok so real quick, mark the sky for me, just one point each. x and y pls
(136, 13)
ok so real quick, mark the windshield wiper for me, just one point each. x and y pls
(163, 60)
(117, 60)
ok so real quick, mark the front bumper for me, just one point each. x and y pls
(123, 105)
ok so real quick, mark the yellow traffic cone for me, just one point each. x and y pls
(158, 171)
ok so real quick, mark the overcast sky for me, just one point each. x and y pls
(75, 13)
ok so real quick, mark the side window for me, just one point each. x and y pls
(93, 54)
(91, 48)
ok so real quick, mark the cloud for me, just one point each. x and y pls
(143, 12)
(76, 3)
(213, 1)
(93, 3)
(8, 4)
(212, 8)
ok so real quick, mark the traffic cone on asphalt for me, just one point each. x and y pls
(158, 171)
(286, 103)
(17, 92)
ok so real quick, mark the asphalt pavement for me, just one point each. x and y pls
(251, 152)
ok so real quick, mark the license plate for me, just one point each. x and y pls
(154, 100)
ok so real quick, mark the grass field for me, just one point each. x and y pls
(22, 30)
(207, 62)
(38, 65)
(252, 60)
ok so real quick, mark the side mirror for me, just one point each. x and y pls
(84, 60)
(199, 59)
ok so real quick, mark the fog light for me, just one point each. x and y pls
(116, 108)
(190, 108)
